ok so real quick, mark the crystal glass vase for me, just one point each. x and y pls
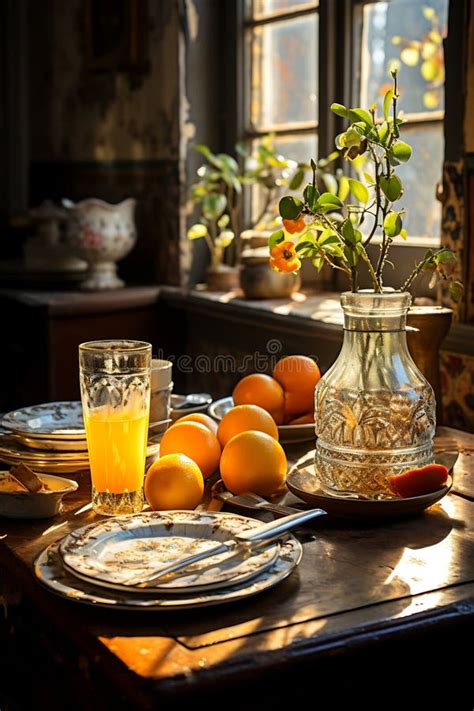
(374, 410)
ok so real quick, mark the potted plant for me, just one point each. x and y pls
(218, 193)
(374, 410)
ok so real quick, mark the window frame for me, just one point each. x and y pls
(336, 61)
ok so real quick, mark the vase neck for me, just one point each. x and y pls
(368, 312)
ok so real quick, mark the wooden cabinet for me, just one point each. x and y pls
(42, 331)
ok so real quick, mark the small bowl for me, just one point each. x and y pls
(41, 504)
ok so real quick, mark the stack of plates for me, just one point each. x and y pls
(103, 563)
(50, 438)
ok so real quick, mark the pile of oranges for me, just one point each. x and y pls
(244, 446)
(288, 394)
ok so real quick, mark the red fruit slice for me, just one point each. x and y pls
(416, 482)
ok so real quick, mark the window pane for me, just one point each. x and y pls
(419, 177)
(299, 149)
(408, 33)
(284, 72)
(259, 8)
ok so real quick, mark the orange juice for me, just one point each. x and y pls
(117, 449)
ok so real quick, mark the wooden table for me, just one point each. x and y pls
(370, 607)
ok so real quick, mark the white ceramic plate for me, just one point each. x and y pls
(50, 572)
(303, 482)
(117, 552)
(287, 433)
(61, 420)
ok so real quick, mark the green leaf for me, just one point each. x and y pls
(456, 290)
(348, 232)
(351, 256)
(327, 236)
(361, 115)
(392, 224)
(358, 190)
(340, 110)
(383, 132)
(352, 138)
(290, 207)
(311, 194)
(403, 233)
(343, 191)
(225, 238)
(228, 162)
(197, 231)
(387, 100)
(402, 151)
(392, 187)
(276, 238)
(446, 257)
(318, 263)
(204, 150)
(369, 178)
(223, 221)
(296, 180)
(329, 199)
(213, 206)
(305, 244)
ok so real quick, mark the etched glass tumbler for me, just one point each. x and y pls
(115, 393)
(374, 410)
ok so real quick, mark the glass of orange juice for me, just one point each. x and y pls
(115, 393)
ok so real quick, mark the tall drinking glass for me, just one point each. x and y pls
(115, 393)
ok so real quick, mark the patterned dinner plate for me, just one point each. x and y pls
(61, 420)
(118, 553)
(287, 433)
(50, 571)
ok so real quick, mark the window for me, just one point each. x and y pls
(281, 77)
(283, 87)
(409, 35)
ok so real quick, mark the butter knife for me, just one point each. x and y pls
(244, 541)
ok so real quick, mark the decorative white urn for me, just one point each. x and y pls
(101, 234)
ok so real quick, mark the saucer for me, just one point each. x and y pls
(303, 483)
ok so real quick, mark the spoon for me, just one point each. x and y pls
(193, 400)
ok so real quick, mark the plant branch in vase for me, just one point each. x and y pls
(374, 410)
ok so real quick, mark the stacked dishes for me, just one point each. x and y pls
(106, 563)
(50, 438)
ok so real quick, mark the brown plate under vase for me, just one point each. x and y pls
(303, 483)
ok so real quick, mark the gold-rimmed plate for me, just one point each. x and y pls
(117, 553)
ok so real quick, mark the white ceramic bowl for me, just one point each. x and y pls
(43, 504)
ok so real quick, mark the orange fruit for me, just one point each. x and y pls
(245, 417)
(262, 390)
(201, 418)
(195, 441)
(174, 482)
(298, 375)
(307, 419)
(253, 461)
